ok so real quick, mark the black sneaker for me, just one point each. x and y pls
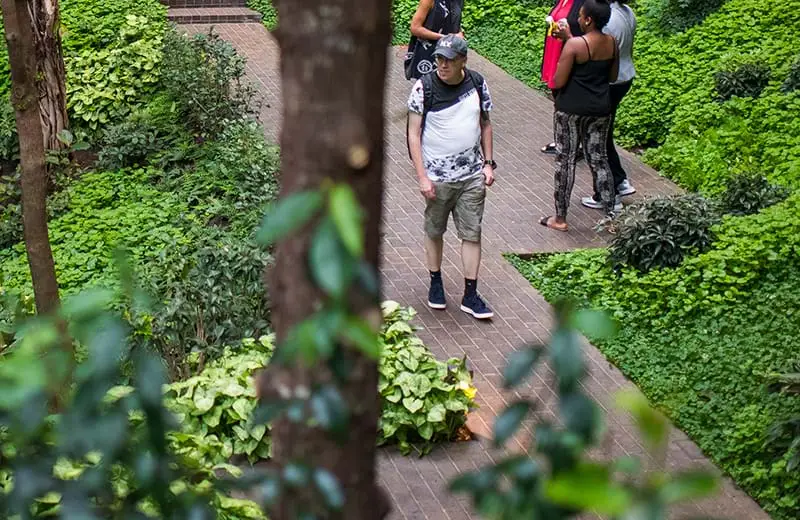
(436, 295)
(475, 305)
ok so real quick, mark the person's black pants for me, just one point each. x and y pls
(617, 92)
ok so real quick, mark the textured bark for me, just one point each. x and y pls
(46, 24)
(333, 65)
(25, 98)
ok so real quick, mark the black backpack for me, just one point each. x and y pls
(427, 97)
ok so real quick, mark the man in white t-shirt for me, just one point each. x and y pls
(450, 143)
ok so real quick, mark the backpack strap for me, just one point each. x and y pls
(477, 80)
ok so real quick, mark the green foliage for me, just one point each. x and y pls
(700, 340)
(204, 75)
(144, 136)
(792, 81)
(217, 405)
(9, 143)
(103, 85)
(269, 15)
(95, 26)
(5, 70)
(744, 80)
(678, 15)
(750, 193)
(660, 232)
(556, 479)
(424, 400)
(675, 73)
(212, 293)
(105, 454)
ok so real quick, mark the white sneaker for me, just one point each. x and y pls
(625, 188)
(589, 202)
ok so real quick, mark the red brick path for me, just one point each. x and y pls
(522, 193)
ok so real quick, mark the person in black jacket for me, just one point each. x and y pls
(432, 20)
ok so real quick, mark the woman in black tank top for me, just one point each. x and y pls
(586, 67)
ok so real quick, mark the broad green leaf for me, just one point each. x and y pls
(687, 486)
(590, 487)
(437, 413)
(329, 487)
(426, 431)
(653, 426)
(347, 215)
(520, 364)
(508, 422)
(202, 402)
(331, 265)
(395, 396)
(288, 214)
(595, 324)
(412, 404)
(243, 407)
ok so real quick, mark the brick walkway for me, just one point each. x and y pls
(522, 193)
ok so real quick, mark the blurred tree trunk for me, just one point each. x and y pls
(333, 65)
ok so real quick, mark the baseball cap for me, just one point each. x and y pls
(450, 46)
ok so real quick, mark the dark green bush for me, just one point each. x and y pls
(146, 132)
(204, 75)
(269, 16)
(745, 80)
(9, 143)
(749, 193)
(792, 81)
(213, 295)
(679, 15)
(660, 232)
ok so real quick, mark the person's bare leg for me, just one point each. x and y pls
(470, 259)
(433, 253)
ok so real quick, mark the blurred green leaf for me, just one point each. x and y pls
(508, 422)
(331, 265)
(653, 426)
(689, 485)
(329, 487)
(347, 215)
(288, 214)
(590, 487)
(519, 365)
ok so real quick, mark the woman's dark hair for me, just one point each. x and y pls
(599, 11)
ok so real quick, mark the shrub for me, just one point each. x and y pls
(792, 81)
(750, 193)
(104, 85)
(87, 25)
(745, 80)
(205, 77)
(9, 143)
(424, 400)
(217, 404)
(146, 132)
(213, 294)
(660, 232)
(679, 15)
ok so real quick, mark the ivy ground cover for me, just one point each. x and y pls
(703, 340)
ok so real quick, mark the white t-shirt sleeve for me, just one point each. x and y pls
(416, 100)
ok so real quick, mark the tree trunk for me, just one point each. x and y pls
(333, 66)
(46, 23)
(25, 98)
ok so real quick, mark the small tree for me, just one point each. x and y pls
(22, 55)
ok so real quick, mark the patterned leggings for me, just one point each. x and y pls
(571, 130)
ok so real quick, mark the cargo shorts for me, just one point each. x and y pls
(465, 200)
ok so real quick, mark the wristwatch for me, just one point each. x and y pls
(491, 163)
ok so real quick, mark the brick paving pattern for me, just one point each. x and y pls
(523, 193)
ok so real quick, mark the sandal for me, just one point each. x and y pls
(549, 148)
(545, 221)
